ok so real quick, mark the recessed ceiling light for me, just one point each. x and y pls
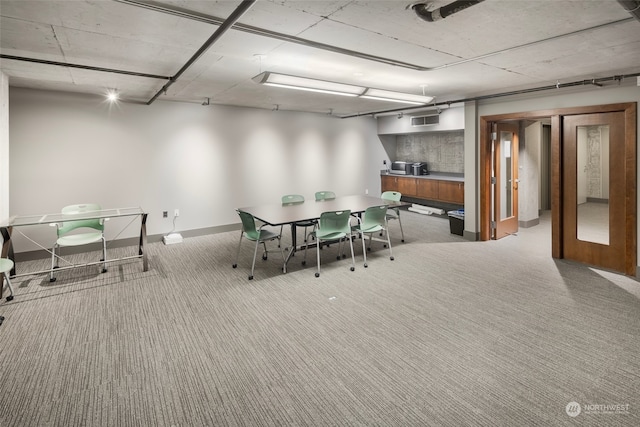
(112, 96)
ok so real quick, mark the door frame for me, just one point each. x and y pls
(556, 115)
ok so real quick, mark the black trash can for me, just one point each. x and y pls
(456, 221)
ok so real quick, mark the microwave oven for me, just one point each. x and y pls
(401, 168)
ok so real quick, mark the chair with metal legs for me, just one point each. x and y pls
(67, 238)
(296, 199)
(393, 213)
(333, 225)
(260, 236)
(374, 220)
(6, 265)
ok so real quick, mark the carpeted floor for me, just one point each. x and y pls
(451, 333)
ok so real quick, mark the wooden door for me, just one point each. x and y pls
(593, 151)
(505, 179)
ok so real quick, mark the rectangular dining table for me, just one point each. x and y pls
(278, 214)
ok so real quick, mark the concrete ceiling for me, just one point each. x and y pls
(494, 46)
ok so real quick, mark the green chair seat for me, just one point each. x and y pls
(79, 239)
(296, 199)
(6, 265)
(374, 220)
(333, 225)
(393, 213)
(260, 236)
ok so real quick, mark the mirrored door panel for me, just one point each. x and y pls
(594, 198)
(506, 174)
(592, 190)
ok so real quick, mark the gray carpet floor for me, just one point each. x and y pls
(450, 333)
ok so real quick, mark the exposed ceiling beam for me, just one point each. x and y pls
(595, 82)
(84, 67)
(189, 14)
(226, 25)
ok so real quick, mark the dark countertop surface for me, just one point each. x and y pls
(441, 176)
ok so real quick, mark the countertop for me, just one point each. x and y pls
(440, 176)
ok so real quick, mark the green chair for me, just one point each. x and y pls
(296, 199)
(67, 238)
(393, 213)
(325, 195)
(374, 220)
(250, 232)
(6, 265)
(333, 225)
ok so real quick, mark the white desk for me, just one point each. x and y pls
(6, 228)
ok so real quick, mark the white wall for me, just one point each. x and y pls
(206, 161)
(4, 147)
(528, 175)
(471, 171)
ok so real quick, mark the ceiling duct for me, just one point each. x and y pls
(428, 120)
(421, 9)
(631, 6)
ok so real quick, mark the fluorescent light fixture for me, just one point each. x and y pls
(405, 98)
(301, 83)
(322, 86)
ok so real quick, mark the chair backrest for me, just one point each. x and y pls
(373, 216)
(392, 196)
(248, 225)
(325, 195)
(292, 199)
(335, 222)
(68, 226)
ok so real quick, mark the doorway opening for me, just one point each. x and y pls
(571, 180)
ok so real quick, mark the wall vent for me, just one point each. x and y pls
(425, 120)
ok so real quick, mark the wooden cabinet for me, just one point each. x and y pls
(389, 183)
(428, 189)
(405, 185)
(451, 191)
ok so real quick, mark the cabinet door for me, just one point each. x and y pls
(451, 191)
(427, 189)
(388, 183)
(407, 186)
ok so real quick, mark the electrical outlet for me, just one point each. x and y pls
(176, 212)
(366, 191)
(384, 162)
(165, 214)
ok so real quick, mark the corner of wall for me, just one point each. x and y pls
(4, 146)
